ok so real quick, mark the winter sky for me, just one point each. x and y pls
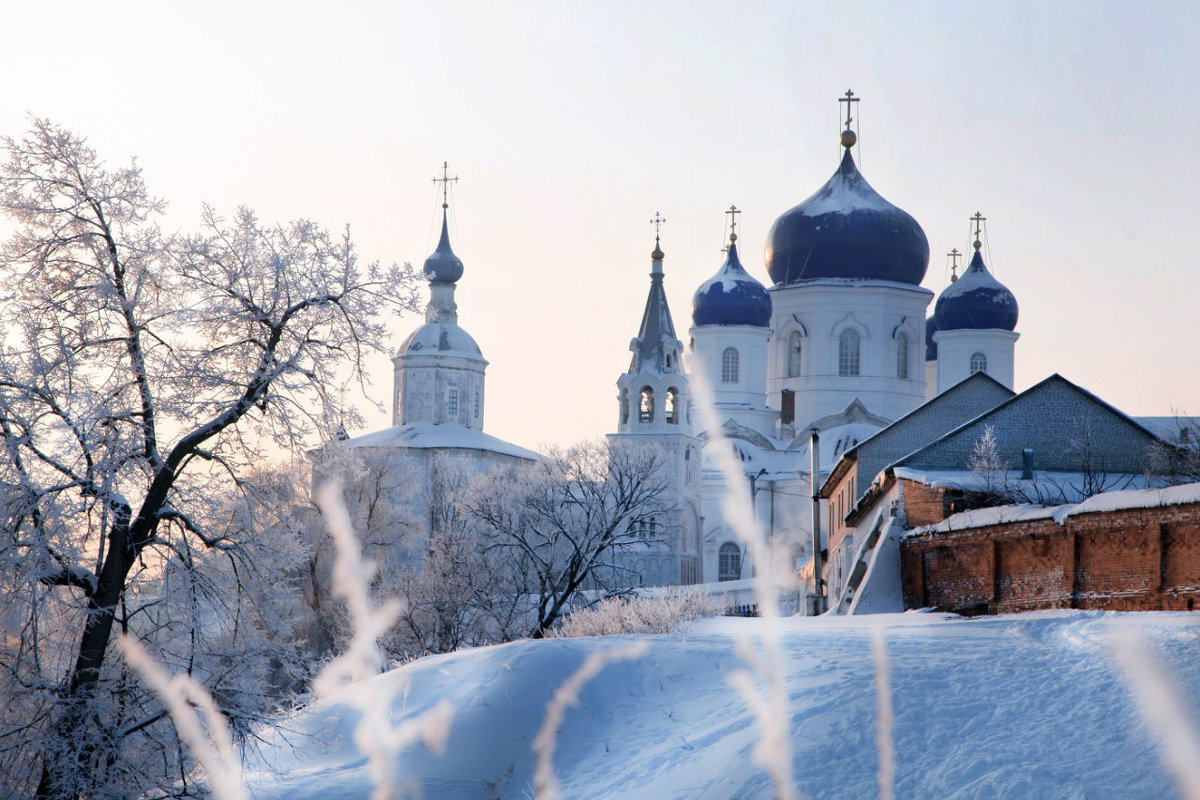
(1070, 126)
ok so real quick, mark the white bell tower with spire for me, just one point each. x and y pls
(654, 410)
(439, 369)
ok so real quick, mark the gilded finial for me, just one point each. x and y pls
(848, 137)
(953, 255)
(978, 219)
(445, 180)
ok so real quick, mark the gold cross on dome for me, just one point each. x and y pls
(848, 99)
(953, 255)
(978, 219)
(733, 212)
(445, 180)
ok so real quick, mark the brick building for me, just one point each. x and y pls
(1053, 444)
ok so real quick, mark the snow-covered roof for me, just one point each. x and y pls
(450, 436)
(1167, 428)
(445, 339)
(1057, 487)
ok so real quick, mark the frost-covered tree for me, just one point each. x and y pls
(985, 460)
(143, 377)
(562, 521)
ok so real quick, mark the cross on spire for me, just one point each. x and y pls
(445, 180)
(953, 255)
(733, 212)
(978, 219)
(848, 99)
(657, 222)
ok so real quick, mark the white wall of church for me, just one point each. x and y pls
(439, 390)
(884, 317)
(962, 352)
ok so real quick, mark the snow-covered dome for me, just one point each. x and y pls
(441, 339)
(731, 297)
(976, 301)
(846, 230)
(442, 265)
(930, 345)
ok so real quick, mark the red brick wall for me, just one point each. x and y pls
(922, 505)
(1138, 559)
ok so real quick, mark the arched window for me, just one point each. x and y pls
(687, 461)
(452, 403)
(978, 363)
(729, 365)
(646, 409)
(848, 352)
(729, 562)
(902, 355)
(673, 405)
(795, 350)
(624, 406)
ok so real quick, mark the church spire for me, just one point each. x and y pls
(656, 348)
(443, 268)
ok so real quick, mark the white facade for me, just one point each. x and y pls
(821, 320)
(964, 352)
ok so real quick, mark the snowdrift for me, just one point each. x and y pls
(1025, 706)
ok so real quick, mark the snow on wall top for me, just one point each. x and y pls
(999, 515)
(1121, 500)
(1139, 498)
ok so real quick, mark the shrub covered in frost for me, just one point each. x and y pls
(665, 613)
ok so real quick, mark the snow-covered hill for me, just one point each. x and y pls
(1027, 706)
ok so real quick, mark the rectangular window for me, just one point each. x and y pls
(452, 402)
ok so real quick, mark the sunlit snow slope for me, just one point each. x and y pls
(1018, 707)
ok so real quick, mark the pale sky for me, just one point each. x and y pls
(1070, 126)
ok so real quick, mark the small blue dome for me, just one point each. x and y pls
(731, 297)
(930, 345)
(846, 230)
(976, 301)
(443, 266)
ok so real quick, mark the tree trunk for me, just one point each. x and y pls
(93, 646)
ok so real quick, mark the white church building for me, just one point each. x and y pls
(839, 342)
(834, 344)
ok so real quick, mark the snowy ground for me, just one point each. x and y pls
(1027, 706)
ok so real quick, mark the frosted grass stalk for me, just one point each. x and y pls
(1161, 707)
(773, 750)
(343, 679)
(545, 781)
(187, 701)
(885, 716)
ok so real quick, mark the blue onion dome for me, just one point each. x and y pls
(443, 265)
(930, 345)
(846, 230)
(976, 301)
(731, 297)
